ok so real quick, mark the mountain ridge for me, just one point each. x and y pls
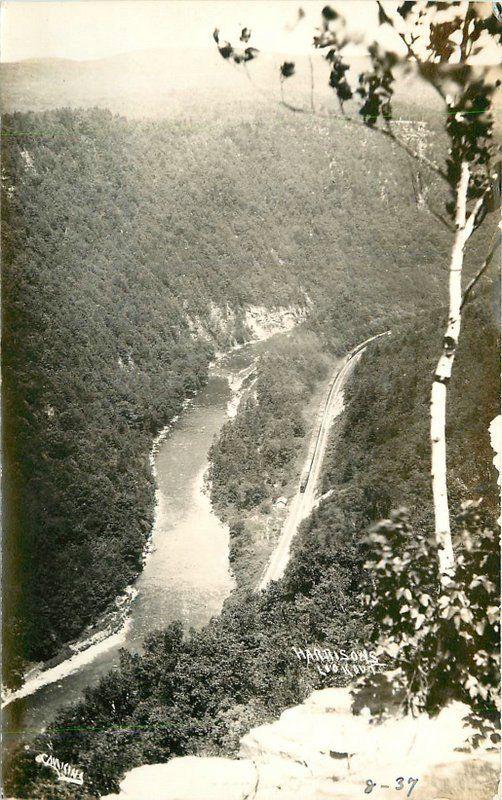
(144, 83)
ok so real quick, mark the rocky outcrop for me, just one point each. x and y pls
(262, 322)
(252, 323)
(317, 751)
(190, 777)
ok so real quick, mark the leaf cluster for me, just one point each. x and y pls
(443, 635)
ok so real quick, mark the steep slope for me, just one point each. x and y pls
(130, 250)
(202, 694)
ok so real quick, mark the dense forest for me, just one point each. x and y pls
(130, 250)
(372, 465)
(200, 694)
(256, 459)
(251, 460)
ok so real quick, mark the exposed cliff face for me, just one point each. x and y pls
(320, 750)
(227, 326)
(262, 322)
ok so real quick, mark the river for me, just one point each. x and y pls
(186, 576)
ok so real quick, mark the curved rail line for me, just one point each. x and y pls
(303, 501)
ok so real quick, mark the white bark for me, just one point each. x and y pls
(464, 227)
(495, 430)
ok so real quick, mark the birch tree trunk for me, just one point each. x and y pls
(464, 227)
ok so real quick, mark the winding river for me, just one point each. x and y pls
(186, 576)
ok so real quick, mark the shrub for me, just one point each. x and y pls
(442, 634)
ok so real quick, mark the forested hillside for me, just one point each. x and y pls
(253, 455)
(200, 694)
(124, 244)
(382, 447)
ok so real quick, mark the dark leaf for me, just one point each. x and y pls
(226, 50)
(344, 91)
(245, 35)
(440, 43)
(493, 26)
(383, 19)
(287, 69)
(405, 9)
(250, 53)
(329, 13)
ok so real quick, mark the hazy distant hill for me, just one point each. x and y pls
(160, 83)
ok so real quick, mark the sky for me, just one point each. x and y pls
(90, 29)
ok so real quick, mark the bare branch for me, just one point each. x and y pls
(387, 131)
(495, 242)
(411, 52)
(469, 224)
(402, 36)
(439, 217)
(290, 106)
(470, 14)
(413, 153)
(312, 106)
